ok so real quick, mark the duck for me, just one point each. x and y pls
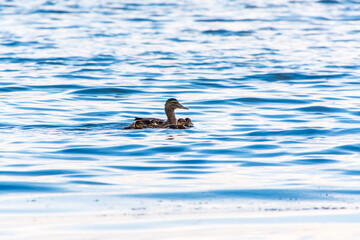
(170, 106)
(188, 122)
(135, 125)
(180, 124)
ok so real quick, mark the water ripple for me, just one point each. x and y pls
(13, 89)
(16, 187)
(273, 77)
(223, 32)
(47, 172)
(321, 109)
(308, 132)
(271, 100)
(106, 91)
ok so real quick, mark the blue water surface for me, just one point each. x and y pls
(271, 86)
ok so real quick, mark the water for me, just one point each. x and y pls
(271, 86)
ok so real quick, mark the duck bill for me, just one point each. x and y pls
(182, 107)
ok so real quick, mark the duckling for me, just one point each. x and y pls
(188, 122)
(170, 106)
(180, 124)
(135, 125)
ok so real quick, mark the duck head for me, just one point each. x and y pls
(173, 104)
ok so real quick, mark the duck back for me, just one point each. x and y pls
(151, 122)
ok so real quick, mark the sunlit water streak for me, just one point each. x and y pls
(272, 89)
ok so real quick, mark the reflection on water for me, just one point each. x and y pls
(272, 88)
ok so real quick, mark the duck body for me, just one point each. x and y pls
(151, 122)
(170, 106)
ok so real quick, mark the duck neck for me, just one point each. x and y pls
(170, 113)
